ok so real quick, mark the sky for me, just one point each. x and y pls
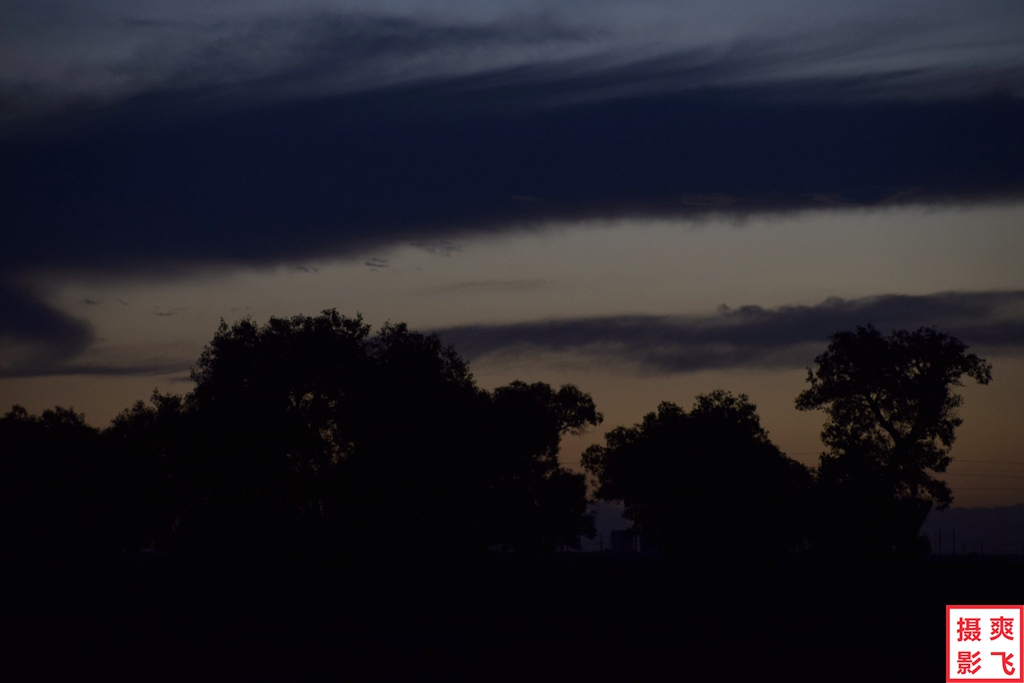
(649, 199)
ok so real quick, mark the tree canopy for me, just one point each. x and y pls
(705, 483)
(310, 432)
(55, 483)
(891, 421)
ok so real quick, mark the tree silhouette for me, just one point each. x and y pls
(55, 485)
(148, 446)
(537, 504)
(309, 434)
(891, 423)
(275, 410)
(704, 483)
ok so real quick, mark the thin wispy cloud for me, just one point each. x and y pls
(105, 50)
(142, 368)
(168, 312)
(438, 247)
(749, 336)
(489, 286)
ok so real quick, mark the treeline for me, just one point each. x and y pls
(311, 437)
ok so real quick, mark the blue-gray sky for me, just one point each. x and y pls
(581, 181)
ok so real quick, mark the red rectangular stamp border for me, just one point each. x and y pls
(1020, 644)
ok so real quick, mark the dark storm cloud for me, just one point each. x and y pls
(36, 338)
(751, 336)
(209, 133)
(316, 177)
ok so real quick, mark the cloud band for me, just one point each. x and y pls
(751, 336)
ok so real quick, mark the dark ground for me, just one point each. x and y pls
(583, 617)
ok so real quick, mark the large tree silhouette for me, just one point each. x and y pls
(708, 483)
(892, 417)
(309, 433)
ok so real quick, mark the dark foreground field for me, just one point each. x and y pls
(576, 618)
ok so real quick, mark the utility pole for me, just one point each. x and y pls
(954, 542)
(940, 541)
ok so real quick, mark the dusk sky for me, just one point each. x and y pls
(648, 199)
